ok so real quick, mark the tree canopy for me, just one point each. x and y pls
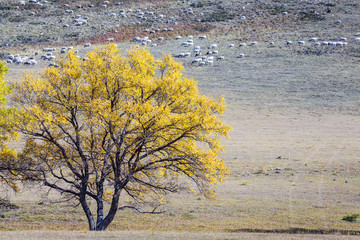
(115, 124)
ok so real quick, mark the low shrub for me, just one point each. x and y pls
(351, 218)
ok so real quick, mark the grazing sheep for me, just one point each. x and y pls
(185, 44)
(240, 55)
(288, 43)
(220, 58)
(196, 51)
(301, 43)
(178, 37)
(180, 55)
(196, 60)
(212, 46)
(231, 45)
(87, 45)
(202, 37)
(313, 39)
(242, 44)
(49, 49)
(253, 43)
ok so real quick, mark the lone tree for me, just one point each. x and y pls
(115, 125)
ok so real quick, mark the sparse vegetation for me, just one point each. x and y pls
(5, 204)
(311, 16)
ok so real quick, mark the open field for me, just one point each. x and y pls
(293, 153)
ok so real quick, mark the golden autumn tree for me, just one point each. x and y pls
(115, 124)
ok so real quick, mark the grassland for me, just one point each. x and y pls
(294, 150)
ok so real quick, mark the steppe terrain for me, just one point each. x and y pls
(293, 153)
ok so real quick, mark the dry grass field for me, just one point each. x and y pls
(293, 153)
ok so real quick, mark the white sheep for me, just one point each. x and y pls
(231, 45)
(196, 60)
(241, 55)
(253, 43)
(202, 37)
(212, 46)
(300, 42)
(178, 37)
(87, 45)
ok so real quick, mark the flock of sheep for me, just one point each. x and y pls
(202, 53)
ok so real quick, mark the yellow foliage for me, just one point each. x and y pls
(7, 155)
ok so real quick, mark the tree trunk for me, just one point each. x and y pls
(88, 213)
(111, 214)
